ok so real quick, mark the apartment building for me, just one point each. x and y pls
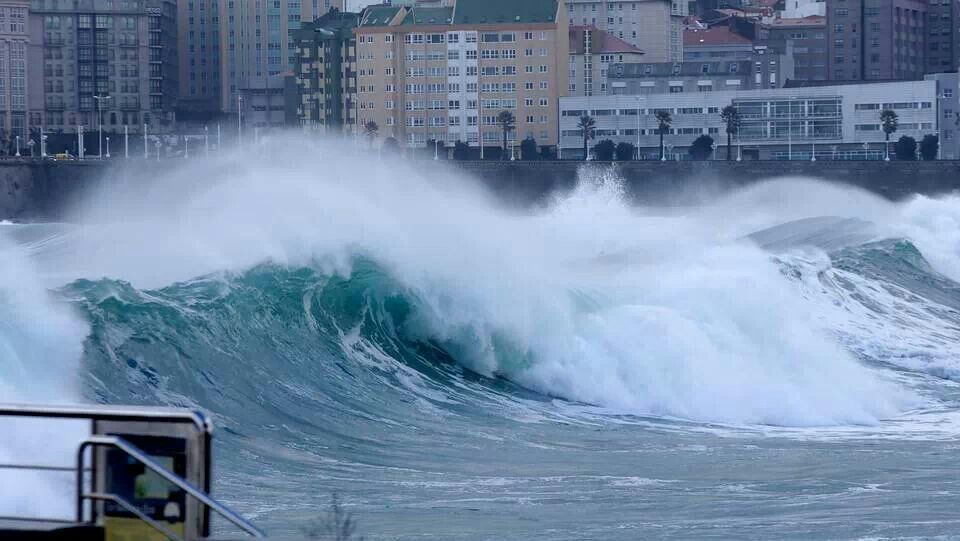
(257, 52)
(763, 69)
(14, 40)
(325, 72)
(118, 58)
(592, 52)
(653, 26)
(808, 38)
(832, 121)
(445, 73)
(943, 35)
(876, 39)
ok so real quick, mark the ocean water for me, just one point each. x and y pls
(779, 362)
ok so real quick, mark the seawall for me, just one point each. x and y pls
(35, 190)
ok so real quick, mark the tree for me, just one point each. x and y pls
(603, 151)
(664, 121)
(731, 119)
(391, 146)
(507, 123)
(889, 121)
(929, 147)
(625, 152)
(906, 148)
(461, 150)
(528, 149)
(370, 129)
(702, 148)
(587, 127)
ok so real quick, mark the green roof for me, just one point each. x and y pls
(423, 15)
(504, 11)
(379, 15)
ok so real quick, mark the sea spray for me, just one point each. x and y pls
(41, 344)
(687, 319)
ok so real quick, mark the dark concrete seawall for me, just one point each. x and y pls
(43, 190)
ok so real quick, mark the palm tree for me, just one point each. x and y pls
(890, 121)
(370, 130)
(588, 127)
(507, 123)
(664, 120)
(731, 117)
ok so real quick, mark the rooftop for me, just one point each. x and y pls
(379, 15)
(428, 15)
(718, 35)
(504, 11)
(603, 42)
(812, 20)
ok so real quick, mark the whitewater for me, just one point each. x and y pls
(779, 361)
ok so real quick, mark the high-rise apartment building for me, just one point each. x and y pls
(118, 58)
(876, 39)
(14, 39)
(653, 26)
(444, 74)
(325, 72)
(943, 35)
(257, 51)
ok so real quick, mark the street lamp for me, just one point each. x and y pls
(436, 149)
(108, 147)
(239, 121)
(100, 99)
(43, 144)
(158, 148)
(18, 147)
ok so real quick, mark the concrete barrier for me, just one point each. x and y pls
(42, 190)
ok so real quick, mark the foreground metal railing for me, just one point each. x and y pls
(132, 451)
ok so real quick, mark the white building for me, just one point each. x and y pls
(837, 122)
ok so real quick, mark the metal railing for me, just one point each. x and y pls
(134, 452)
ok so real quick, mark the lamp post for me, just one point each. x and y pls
(158, 148)
(30, 143)
(186, 147)
(18, 147)
(436, 150)
(813, 150)
(43, 144)
(739, 150)
(866, 147)
(146, 147)
(239, 121)
(100, 99)
(126, 142)
(513, 156)
(108, 147)
(638, 127)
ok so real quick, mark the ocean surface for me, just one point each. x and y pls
(775, 363)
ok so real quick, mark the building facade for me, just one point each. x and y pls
(95, 62)
(653, 26)
(257, 52)
(808, 38)
(444, 74)
(592, 52)
(14, 87)
(943, 36)
(762, 69)
(326, 72)
(835, 122)
(876, 40)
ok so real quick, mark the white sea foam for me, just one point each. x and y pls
(40, 348)
(637, 310)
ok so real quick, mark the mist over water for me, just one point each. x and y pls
(380, 310)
